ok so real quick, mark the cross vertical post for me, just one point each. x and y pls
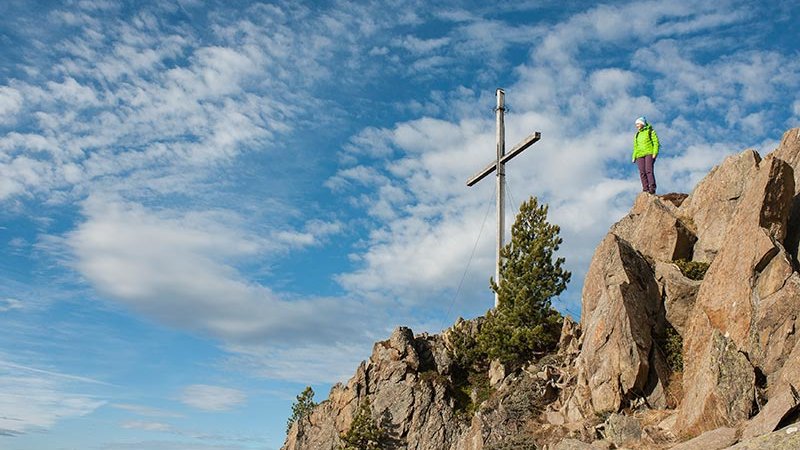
(501, 183)
(499, 165)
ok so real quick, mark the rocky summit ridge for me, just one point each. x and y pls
(613, 382)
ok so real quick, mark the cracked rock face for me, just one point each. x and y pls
(411, 396)
(747, 276)
(654, 228)
(727, 386)
(408, 397)
(621, 303)
(678, 293)
(713, 202)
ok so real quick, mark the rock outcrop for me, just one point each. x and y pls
(713, 202)
(747, 270)
(615, 382)
(620, 316)
(403, 381)
(679, 294)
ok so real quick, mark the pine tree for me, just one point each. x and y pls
(302, 407)
(364, 432)
(524, 323)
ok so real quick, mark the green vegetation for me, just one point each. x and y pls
(302, 407)
(672, 344)
(516, 442)
(694, 270)
(465, 352)
(434, 377)
(364, 432)
(470, 390)
(525, 325)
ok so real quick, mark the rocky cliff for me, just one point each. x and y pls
(618, 379)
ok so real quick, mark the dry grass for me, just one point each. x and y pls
(674, 390)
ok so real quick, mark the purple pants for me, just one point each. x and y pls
(645, 164)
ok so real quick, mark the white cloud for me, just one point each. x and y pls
(10, 304)
(315, 232)
(125, 107)
(742, 79)
(358, 175)
(612, 83)
(144, 410)
(414, 256)
(34, 399)
(149, 102)
(70, 92)
(421, 46)
(212, 398)
(147, 426)
(322, 362)
(634, 24)
(10, 104)
(180, 268)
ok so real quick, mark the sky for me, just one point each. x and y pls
(207, 206)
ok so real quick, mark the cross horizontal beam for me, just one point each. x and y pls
(525, 143)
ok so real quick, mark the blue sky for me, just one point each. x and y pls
(206, 206)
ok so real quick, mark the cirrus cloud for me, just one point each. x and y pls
(212, 398)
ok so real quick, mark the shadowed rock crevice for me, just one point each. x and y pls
(792, 241)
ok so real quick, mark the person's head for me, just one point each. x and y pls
(640, 122)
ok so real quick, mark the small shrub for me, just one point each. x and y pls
(432, 376)
(671, 344)
(364, 432)
(465, 351)
(470, 390)
(694, 270)
(482, 389)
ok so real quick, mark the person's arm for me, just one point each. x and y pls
(656, 145)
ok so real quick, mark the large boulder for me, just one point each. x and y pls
(712, 203)
(621, 429)
(727, 304)
(621, 311)
(569, 343)
(678, 293)
(710, 440)
(784, 439)
(789, 151)
(654, 228)
(720, 390)
(784, 399)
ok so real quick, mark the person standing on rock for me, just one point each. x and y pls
(645, 151)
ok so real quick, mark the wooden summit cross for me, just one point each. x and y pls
(499, 166)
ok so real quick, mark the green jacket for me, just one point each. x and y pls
(645, 143)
